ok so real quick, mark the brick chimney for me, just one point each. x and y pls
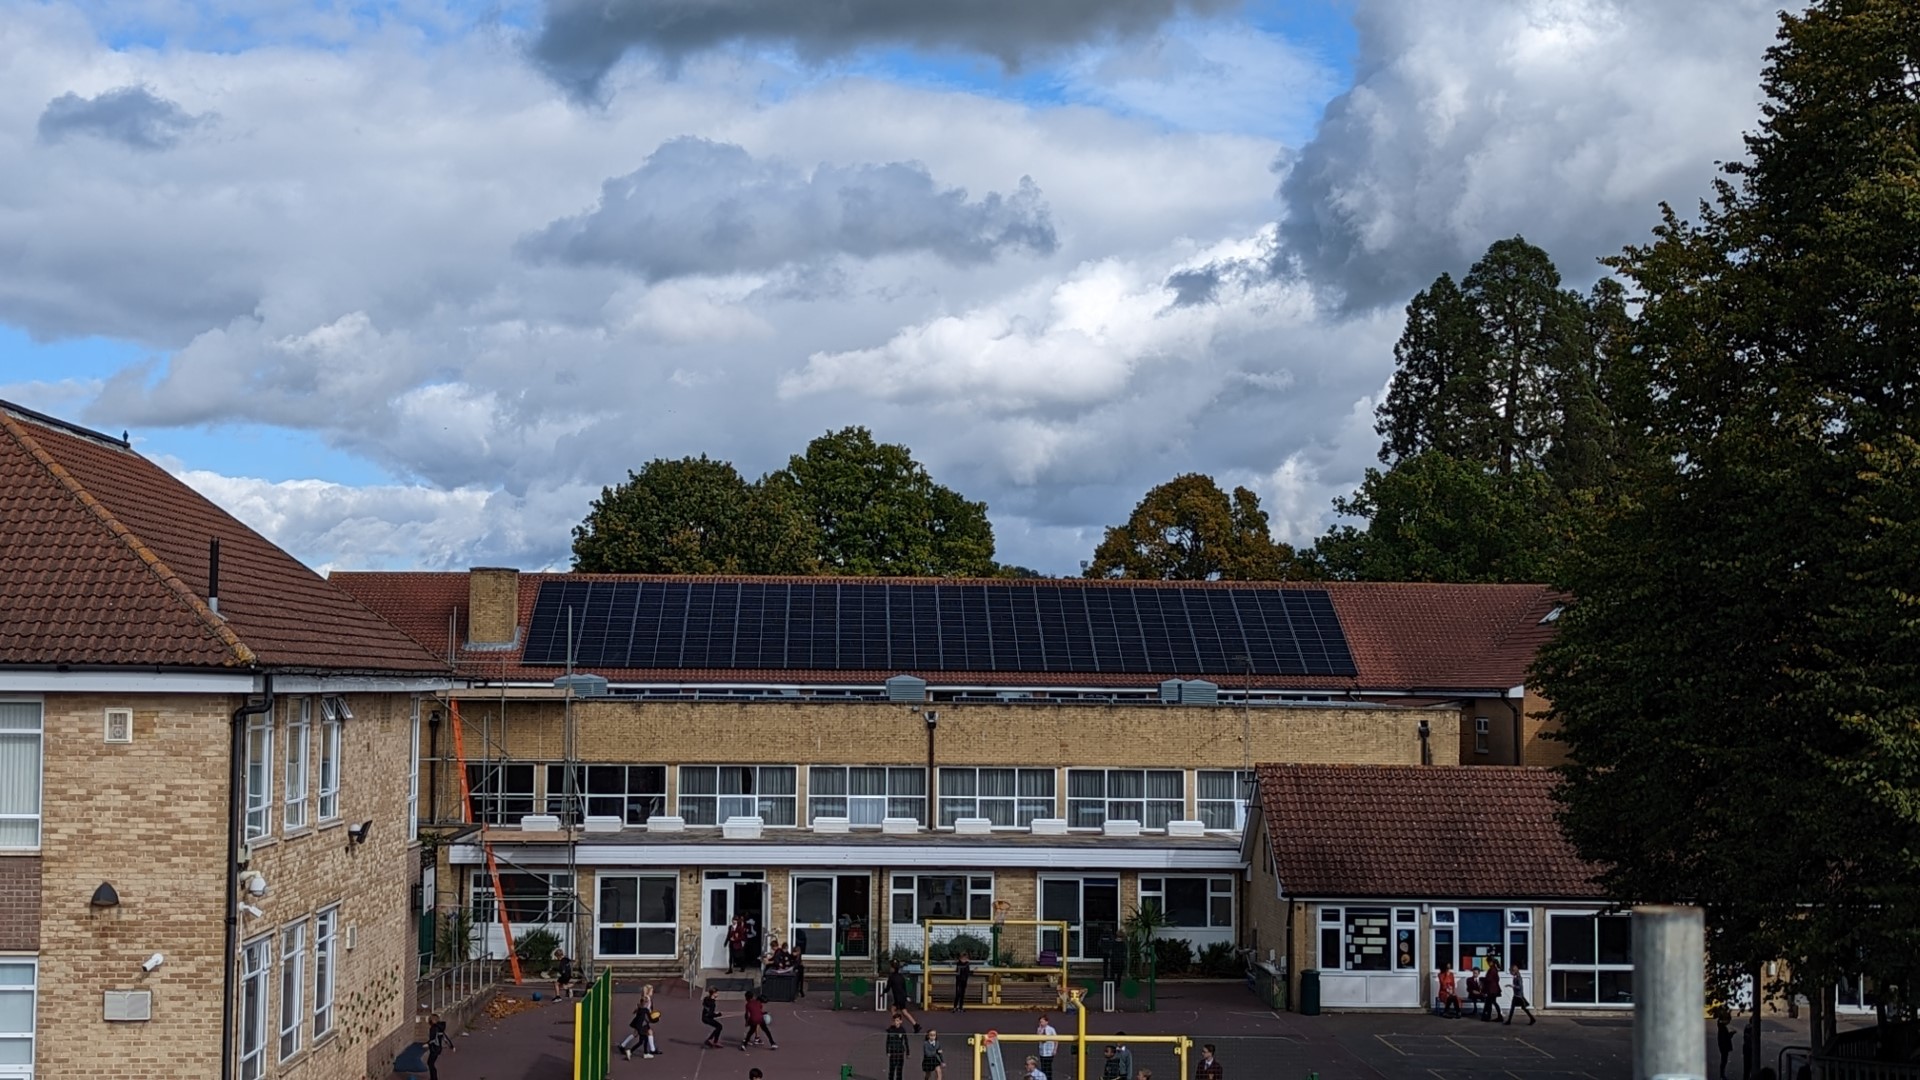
(493, 606)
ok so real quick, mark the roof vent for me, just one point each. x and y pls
(1121, 827)
(899, 826)
(1170, 691)
(973, 826)
(1186, 828)
(1049, 826)
(742, 828)
(823, 823)
(666, 823)
(604, 824)
(540, 823)
(906, 688)
(1199, 692)
(583, 686)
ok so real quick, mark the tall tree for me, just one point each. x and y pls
(1187, 529)
(1736, 679)
(692, 516)
(877, 512)
(1439, 398)
(1439, 518)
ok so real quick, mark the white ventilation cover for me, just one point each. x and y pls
(119, 725)
(1121, 827)
(1050, 826)
(899, 826)
(742, 828)
(973, 826)
(1186, 828)
(127, 1005)
(666, 823)
(827, 824)
(604, 824)
(540, 823)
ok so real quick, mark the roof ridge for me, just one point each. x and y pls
(214, 624)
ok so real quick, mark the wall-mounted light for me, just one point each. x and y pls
(358, 834)
(105, 896)
(153, 962)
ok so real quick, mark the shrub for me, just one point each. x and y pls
(902, 955)
(977, 948)
(1172, 956)
(535, 948)
(1221, 960)
(453, 938)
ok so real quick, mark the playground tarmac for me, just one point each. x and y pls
(1254, 1042)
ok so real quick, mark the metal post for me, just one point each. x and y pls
(838, 935)
(1079, 1006)
(1669, 976)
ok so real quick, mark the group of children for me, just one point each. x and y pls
(1483, 990)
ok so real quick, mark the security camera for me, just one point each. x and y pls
(153, 961)
(255, 882)
(250, 909)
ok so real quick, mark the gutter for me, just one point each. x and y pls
(236, 800)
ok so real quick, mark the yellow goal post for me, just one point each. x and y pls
(989, 1059)
(992, 985)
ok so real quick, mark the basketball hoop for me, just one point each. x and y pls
(1000, 910)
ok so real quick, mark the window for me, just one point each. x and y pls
(254, 959)
(1151, 797)
(294, 791)
(638, 915)
(530, 898)
(820, 902)
(1220, 797)
(1482, 733)
(20, 753)
(865, 794)
(1369, 939)
(918, 897)
(710, 794)
(293, 982)
(1090, 907)
(330, 767)
(632, 793)
(17, 999)
(1009, 798)
(325, 926)
(1589, 959)
(502, 792)
(259, 776)
(413, 776)
(1191, 902)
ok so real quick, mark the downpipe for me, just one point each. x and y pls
(236, 811)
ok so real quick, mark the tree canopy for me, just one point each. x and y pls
(1736, 681)
(693, 516)
(1187, 529)
(1434, 517)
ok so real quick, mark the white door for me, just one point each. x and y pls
(726, 894)
(718, 906)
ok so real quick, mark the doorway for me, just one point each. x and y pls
(729, 893)
(1089, 906)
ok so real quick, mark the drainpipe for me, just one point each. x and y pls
(236, 809)
(433, 764)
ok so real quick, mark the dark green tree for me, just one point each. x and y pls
(692, 516)
(1439, 518)
(876, 511)
(1187, 529)
(1439, 399)
(1735, 680)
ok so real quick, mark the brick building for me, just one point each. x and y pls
(803, 750)
(206, 759)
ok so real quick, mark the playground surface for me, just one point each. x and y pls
(1254, 1042)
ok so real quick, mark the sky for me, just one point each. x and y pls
(405, 284)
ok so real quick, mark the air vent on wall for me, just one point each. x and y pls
(128, 1005)
(119, 725)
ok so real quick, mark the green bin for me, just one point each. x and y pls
(1309, 993)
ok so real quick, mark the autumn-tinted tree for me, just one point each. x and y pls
(1736, 679)
(692, 516)
(876, 511)
(1438, 518)
(1187, 529)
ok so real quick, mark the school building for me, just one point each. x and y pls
(652, 756)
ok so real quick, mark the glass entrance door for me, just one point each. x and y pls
(728, 893)
(1089, 906)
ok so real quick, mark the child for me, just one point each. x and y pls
(932, 1061)
(896, 1048)
(757, 1022)
(1033, 1070)
(638, 1022)
(1519, 1002)
(710, 1016)
(437, 1041)
(1448, 1000)
(562, 974)
(1110, 1065)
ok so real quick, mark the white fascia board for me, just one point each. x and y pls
(358, 684)
(724, 853)
(127, 682)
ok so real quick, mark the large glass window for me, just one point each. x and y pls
(710, 794)
(255, 958)
(1192, 902)
(820, 902)
(638, 915)
(1369, 939)
(325, 926)
(293, 982)
(20, 754)
(1009, 798)
(294, 790)
(259, 776)
(17, 994)
(1151, 797)
(1589, 959)
(1220, 797)
(864, 794)
(919, 897)
(502, 792)
(330, 770)
(530, 898)
(1089, 906)
(632, 793)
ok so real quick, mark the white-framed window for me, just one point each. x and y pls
(864, 794)
(413, 773)
(1220, 797)
(820, 901)
(326, 929)
(530, 898)
(18, 994)
(918, 897)
(638, 915)
(330, 766)
(256, 957)
(1199, 903)
(1478, 935)
(293, 984)
(1482, 735)
(1589, 959)
(710, 794)
(1090, 906)
(118, 726)
(1009, 798)
(632, 793)
(336, 707)
(1369, 938)
(502, 792)
(22, 746)
(293, 792)
(1151, 797)
(259, 776)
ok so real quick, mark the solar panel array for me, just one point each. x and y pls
(1153, 630)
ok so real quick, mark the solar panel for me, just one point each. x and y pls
(1137, 630)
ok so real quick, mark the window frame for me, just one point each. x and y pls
(413, 774)
(31, 989)
(1239, 804)
(1175, 806)
(556, 900)
(1482, 735)
(1211, 892)
(327, 793)
(790, 797)
(975, 805)
(672, 928)
(37, 736)
(979, 897)
(492, 800)
(1597, 969)
(296, 757)
(863, 921)
(1079, 944)
(915, 802)
(1398, 937)
(260, 761)
(293, 980)
(554, 800)
(326, 960)
(256, 964)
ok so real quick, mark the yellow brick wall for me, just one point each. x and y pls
(151, 818)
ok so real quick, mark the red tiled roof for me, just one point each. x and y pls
(104, 561)
(1403, 636)
(1419, 832)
